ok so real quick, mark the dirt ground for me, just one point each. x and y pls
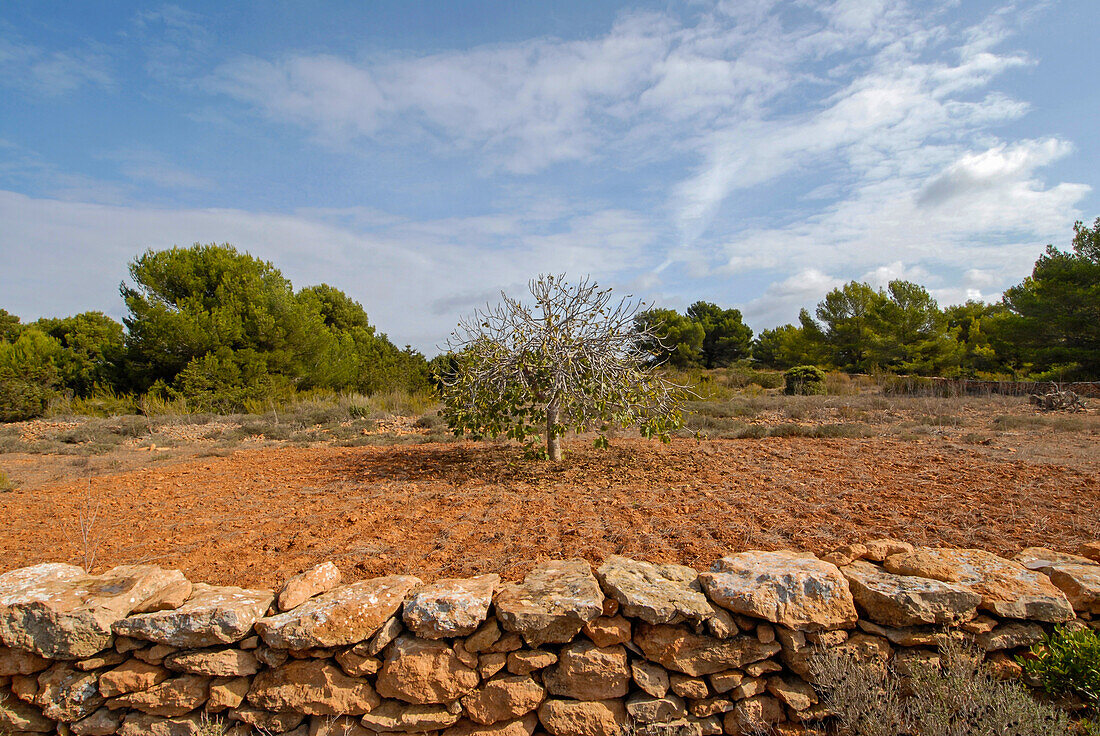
(254, 515)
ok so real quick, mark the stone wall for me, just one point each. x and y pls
(630, 647)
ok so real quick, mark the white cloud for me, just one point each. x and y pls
(51, 73)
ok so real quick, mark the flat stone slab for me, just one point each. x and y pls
(303, 586)
(904, 600)
(61, 612)
(450, 607)
(348, 615)
(793, 589)
(656, 594)
(552, 604)
(1008, 589)
(213, 615)
(1037, 558)
(680, 649)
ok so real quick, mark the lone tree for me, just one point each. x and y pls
(572, 360)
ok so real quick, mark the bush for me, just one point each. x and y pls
(955, 696)
(804, 380)
(28, 375)
(1068, 663)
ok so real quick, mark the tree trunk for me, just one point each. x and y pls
(553, 441)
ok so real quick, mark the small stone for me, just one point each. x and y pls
(382, 638)
(395, 716)
(131, 677)
(688, 687)
(721, 624)
(648, 709)
(491, 663)
(125, 645)
(272, 657)
(66, 694)
(1080, 584)
(173, 697)
(651, 678)
(213, 615)
(313, 687)
(790, 639)
(678, 648)
(20, 662)
(486, 636)
(1041, 558)
(1003, 667)
(142, 724)
(155, 654)
(587, 672)
(303, 586)
(520, 727)
(1008, 589)
(752, 716)
(607, 631)
(526, 661)
(347, 615)
(1010, 636)
(764, 667)
(826, 638)
(469, 658)
(357, 665)
(1090, 550)
(168, 598)
(450, 607)
(657, 594)
(422, 672)
(980, 624)
(765, 634)
(846, 555)
(503, 699)
(583, 718)
(795, 692)
(507, 643)
(723, 682)
(24, 687)
(879, 549)
(552, 604)
(749, 687)
(214, 663)
(793, 589)
(109, 658)
(710, 707)
(266, 722)
(104, 722)
(227, 693)
(19, 717)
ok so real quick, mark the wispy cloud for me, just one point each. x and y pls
(49, 72)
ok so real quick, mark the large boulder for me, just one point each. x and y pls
(422, 672)
(213, 615)
(60, 612)
(314, 687)
(1007, 588)
(303, 586)
(680, 649)
(450, 607)
(904, 600)
(792, 589)
(584, 718)
(552, 604)
(656, 594)
(1080, 584)
(347, 615)
(587, 672)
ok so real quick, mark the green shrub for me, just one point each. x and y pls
(804, 380)
(1068, 663)
(28, 375)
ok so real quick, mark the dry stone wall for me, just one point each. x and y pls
(628, 647)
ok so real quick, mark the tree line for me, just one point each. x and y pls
(1046, 327)
(208, 325)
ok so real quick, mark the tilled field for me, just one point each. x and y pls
(256, 516)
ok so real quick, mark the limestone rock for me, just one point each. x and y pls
(266, 722)
(108, 658)
(688, 687)
(357, 665)
(520, 727)
(587, 672)
(155, 654)
(678, 648)
(19, 717)
(657, 594)
(213, 615)
(846, 555)
(227, 693)
(487, 635)
(1010, 636)
(490, 663)
(131, 677)
(648, 709)
(526, 661)
(793, 589)
(503, 699)
(20, 662)
(214, 662)
(24, 687)
(422, 672)
(710, 707)
(583, 718)
(63, 615)
(879, 549)
(1080, 584)
(142, 724)
(303, 586)
(347, 615)
(749, 687)
(1040, 558)
(395, 716)
(1008, 589)
(903, 600)
(450, 607)
(607, 631)
(173, 697)
(552, 604)
(755, 715)
(104, 722)
(651, 678)
(313, 687)
(1090, 550)
(169, 597)
(66, 694)
(795, 692)
(723, 682)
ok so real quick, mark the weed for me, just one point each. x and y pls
(6, 483)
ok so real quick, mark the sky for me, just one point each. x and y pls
(424, 156)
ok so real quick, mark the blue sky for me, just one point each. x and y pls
(423, 156)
